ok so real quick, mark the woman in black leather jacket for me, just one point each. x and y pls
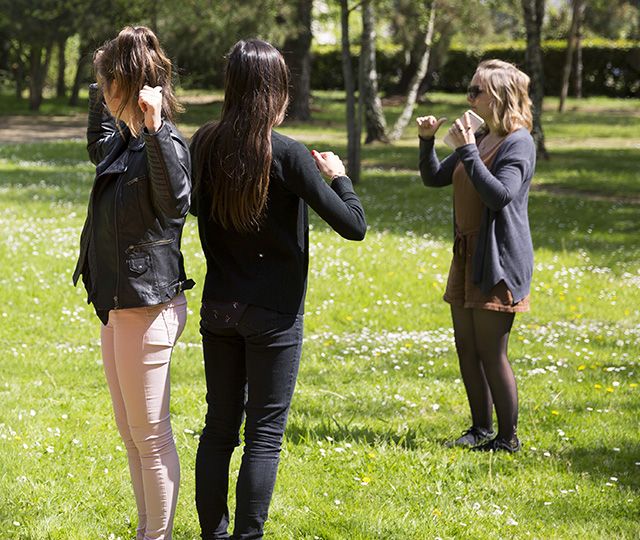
(130, 259)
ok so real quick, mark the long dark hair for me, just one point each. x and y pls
(232, 157)
(132, 59)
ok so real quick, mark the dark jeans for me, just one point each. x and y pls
(251, 359)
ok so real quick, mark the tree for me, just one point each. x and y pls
(61, 87)
(297, 54)
(354, 116)
(414, 85)
(572, 41)
(533, 16)
(375, 122)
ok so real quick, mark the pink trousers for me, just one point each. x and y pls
(136, 350)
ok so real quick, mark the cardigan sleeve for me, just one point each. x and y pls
(497, 190)
(435, 173)
(337, 203)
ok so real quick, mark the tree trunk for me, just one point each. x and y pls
(533, 16)
(297, 54)
(571, 47)
(61, 87)
(577, 66)
(353, 125)
(376, 124)
(18, 72)
(83, 57)
(5, 52)
(412, 94)
(37, 75)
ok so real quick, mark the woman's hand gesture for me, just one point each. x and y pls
(461, 132)
(329, 164)
(428, 125)
(150, 103)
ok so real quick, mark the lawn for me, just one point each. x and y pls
(379, 390)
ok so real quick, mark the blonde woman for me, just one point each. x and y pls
(492, 265)
(130, 259)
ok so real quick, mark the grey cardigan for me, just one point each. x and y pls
(504, 250)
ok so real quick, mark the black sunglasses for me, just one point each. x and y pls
(474, 91)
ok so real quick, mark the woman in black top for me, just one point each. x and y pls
(130, 259)
(251, 190)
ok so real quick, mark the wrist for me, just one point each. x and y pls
(153, 125)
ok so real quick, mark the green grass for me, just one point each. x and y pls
(379, 389)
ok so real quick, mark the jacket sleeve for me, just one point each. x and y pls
(337, 204)
(433, 172)
(102, 133)
(169, 171)
(497, 190)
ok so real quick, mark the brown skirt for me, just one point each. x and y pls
(463, 292)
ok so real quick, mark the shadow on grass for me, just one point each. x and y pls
(301, 433)
(397, 202)
(602, 463)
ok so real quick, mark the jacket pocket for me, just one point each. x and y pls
(139, 264)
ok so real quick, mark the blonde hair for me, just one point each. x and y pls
(131, 60)
(509, 88)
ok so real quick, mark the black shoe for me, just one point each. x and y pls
(499, 445)
(472, 437)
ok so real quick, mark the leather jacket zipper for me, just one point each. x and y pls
(115, 216)
(163, 242)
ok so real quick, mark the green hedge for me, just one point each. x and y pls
(609, 68)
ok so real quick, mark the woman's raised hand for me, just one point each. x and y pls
(150, 103)
(329, 164)
(428, 125)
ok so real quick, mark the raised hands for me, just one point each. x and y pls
(329, 164)
(461, 132)
(428, 125)
(150, 103)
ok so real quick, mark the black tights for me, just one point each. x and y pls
(482, 338)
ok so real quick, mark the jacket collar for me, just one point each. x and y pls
(136, 143)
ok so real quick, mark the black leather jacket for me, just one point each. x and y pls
(136, 234)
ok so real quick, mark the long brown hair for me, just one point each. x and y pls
(232, 157)
(509, 88)
(131, 60)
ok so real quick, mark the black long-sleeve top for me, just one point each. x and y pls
(269, 267)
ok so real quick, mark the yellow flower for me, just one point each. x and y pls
(633, 385)
(597, 386)
(556, 413)
(436, 512)
(581, 367)
(609, 389)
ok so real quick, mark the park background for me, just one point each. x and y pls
(379, 390)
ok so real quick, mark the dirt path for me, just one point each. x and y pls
(24, 129)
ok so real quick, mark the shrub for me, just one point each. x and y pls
(610, 68)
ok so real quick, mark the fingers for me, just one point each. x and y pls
(467, 120)
(149, 97)
(428, 125)
(328, 163)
